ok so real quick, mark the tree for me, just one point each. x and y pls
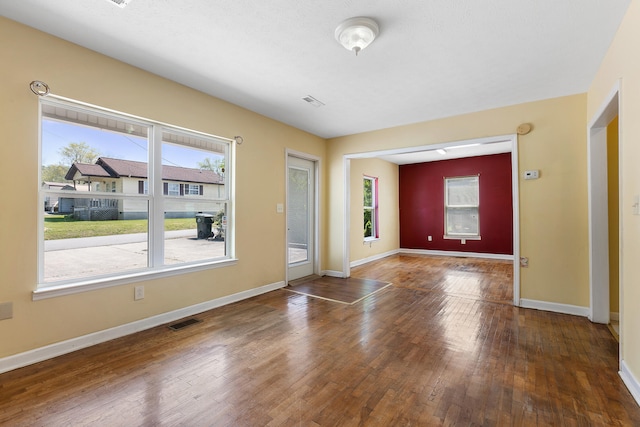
(216, 165)
(54, 173)
(78, 152)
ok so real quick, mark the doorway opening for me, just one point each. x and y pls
(603, 153)
(511, 143)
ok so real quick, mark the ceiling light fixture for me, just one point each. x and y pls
(466, 145)
(120, 3)
(313, 101)
(356, 33)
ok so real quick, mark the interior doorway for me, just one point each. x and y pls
(302, 217)
(600, 250)
(476, 145)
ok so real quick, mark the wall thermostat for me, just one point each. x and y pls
(534, 174)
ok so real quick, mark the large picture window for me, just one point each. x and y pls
(125, 197)
(462, 207)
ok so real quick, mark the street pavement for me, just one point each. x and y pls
(91, 257)
(95, 256)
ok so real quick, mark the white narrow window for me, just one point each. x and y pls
(370, 208)
(193, 189)
(462, 207)
(145, 196)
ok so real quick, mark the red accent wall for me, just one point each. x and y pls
(422, 204)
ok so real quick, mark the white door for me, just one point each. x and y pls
(300, 217)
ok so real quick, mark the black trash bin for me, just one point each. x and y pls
(204, 222)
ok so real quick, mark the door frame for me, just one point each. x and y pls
(515, 190)
(599, 307)
(316, 209)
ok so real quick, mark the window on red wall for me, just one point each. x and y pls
(370, 207)
(462, 207)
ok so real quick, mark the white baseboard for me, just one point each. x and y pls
(332, 273)
(53, 350)
(630, 381)
(614, 316)
(372, 258)
(575, 310)
(457, 254)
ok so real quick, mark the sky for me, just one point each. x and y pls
(56, 135)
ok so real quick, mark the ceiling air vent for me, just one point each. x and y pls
(120, 3)
(311, 100)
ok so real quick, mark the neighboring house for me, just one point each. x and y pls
(51, 203)
(63, 205)
(130, 177)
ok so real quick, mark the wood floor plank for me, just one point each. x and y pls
(442, 346)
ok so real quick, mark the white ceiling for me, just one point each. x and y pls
(432, 59)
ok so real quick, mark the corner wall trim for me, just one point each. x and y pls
(372, 258)
(457, 254)
(630, 381)
(574, 310)
(57, 349)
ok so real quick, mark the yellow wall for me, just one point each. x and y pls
(622, 64)
(614, 223)
(553, 215)
(387, 174)
(80, 74)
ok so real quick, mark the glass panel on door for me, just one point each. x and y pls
(298, 215)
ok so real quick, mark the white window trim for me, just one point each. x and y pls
(374, 209)
(66, 287)
(460, 236)
(189, 187)
(107, 282)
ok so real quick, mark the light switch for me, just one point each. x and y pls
(280, 208)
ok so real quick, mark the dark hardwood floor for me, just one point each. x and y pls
(483, 279)
(442, 346)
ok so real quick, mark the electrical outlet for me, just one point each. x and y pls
(524, 262)
(138, 293)
(463, 241)
(6, 310)
(429, 238)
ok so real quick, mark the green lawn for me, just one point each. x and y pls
(62, 227)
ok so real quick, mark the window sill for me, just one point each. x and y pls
(462, 237)
(45, 291)
(370, 239)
